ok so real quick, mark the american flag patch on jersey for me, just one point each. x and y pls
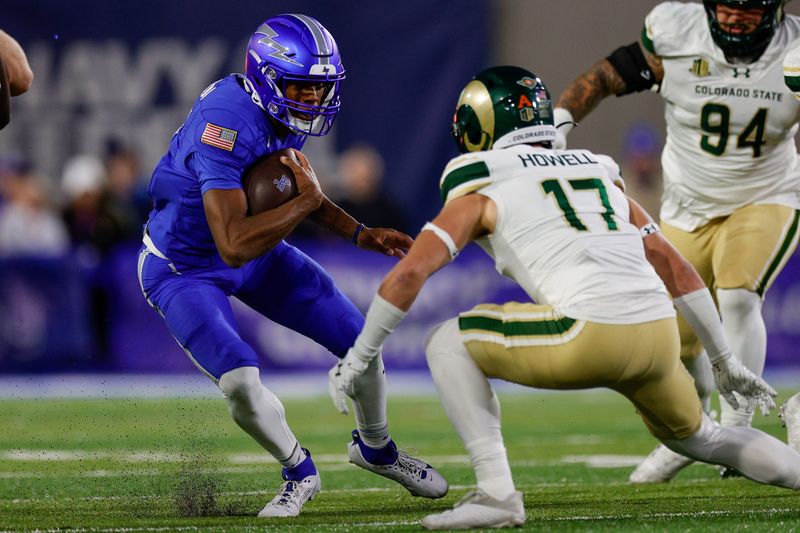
(219, 137)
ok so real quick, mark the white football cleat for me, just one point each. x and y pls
(660, 466)
(291, 497)
(479, 510)
(420, 478)
(790, 414)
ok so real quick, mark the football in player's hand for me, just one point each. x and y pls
(269, 183)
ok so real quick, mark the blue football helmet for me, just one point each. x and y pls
(295, 48)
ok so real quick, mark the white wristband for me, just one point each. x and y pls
(698, 309)
(649, 229)
(563, 120)
(444, 237)
(382, 318)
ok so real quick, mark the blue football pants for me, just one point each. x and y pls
(284, 285)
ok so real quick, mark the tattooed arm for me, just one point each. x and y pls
(600, 81)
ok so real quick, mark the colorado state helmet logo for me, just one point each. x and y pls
(527, 82)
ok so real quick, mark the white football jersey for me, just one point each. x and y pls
(730, 127)
(563, 231)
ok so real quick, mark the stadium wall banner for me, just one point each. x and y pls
(127, 73)
(49, 325)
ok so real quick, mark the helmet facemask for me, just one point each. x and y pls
(295, 49)
(746, 46)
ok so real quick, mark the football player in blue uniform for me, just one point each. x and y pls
(201, 247)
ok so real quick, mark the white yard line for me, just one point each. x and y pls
(685, 514)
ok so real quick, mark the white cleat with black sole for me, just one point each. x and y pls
(479, 510)
(291, 497)
(660, 466)
(420, 478)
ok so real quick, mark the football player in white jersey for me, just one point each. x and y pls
(560, 225)
(730, 166)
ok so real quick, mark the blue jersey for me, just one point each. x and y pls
(224, 134)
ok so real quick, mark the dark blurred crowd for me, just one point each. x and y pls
(95, 204)
(99, 204)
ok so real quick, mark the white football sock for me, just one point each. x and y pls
(740, 310)
(259, 412)
(755, 454)
(369, 405)
(700, 369)
(471, 406)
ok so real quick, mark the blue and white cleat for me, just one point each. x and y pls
(420, 478)
(301, 485)
(291, 497)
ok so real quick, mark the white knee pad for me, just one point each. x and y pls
(241, 386)
(444, 338)
(699, 445)
(740, 302)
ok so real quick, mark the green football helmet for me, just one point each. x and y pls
(501, 107)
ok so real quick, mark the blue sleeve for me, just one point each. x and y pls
(214, 174)
(223, 147)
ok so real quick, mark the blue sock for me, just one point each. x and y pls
(301, 471)
(377, 456)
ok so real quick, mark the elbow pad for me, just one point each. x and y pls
(631, 65)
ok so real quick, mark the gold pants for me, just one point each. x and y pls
(745, 250)
(531, 345)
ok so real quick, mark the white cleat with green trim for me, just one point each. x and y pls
(478, 510)
(660, 466)
(790, 414)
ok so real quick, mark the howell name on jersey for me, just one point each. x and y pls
(564, 159)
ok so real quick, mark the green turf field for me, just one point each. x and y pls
(181, 464)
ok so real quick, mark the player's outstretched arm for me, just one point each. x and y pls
(678, 274)
(383, 240)
(693, 301)
(462, 220)
(628, 69)
(240, 238)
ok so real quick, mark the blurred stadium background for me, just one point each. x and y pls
(114, 80)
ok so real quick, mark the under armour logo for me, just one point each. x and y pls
(326, 69)
(282, 183)
(736, 72)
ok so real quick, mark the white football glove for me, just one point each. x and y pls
(563, 121)
(341, 377)
(561, 141)
(733, 377)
